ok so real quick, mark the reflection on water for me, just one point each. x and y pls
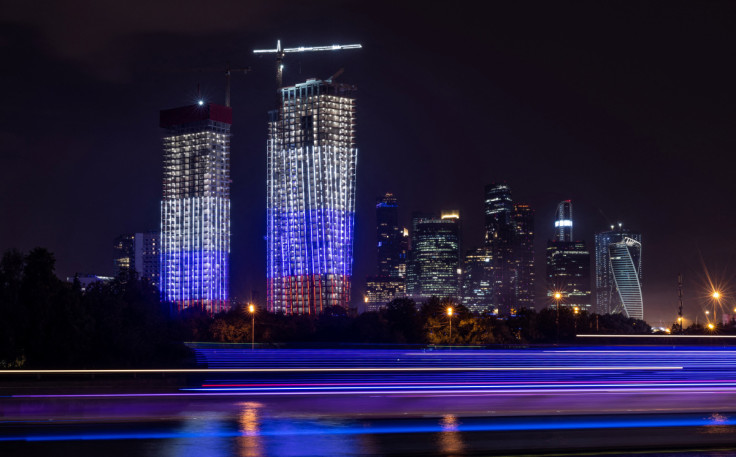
(200, 436)
(249, 444)
(451, 442)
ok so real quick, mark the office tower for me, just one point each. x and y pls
(509, 235)
(500, 238)
(139, 252)
(436, 256)
(563, 221)
(392, 246)
(568, 264)
(195, 210)
(123, 258)
(523, 218)
(381, 290)
(390, 238)
(311, 198)
(477, 280)
(618, 272)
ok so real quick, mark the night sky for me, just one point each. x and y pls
(627, 109)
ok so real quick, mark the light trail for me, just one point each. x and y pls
(336, 369)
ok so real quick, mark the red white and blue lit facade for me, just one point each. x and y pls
(311, 198)
(195, 209)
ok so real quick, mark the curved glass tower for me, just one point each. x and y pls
(311, 198)
(625, 258)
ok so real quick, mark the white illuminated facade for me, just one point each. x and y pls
(311, 198)
(195, 209)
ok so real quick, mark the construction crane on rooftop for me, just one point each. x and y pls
(228, 72)
(281, 52)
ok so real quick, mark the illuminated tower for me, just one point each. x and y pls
(311, 197)
(563, 221)
(436, 257)
(568, 264)
(618, 272)
(195, 209)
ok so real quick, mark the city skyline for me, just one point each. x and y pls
(622, 123)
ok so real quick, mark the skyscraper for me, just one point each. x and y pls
(618, 272)
(523, 217)
(195, 209)
(477, 280)
(390, 238)
(509, 235)
(436, 257)
(392, 247)
(311, 197)
(139, 252)
(568, 263)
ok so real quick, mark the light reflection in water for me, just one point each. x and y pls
(249, 444)
(451, 442)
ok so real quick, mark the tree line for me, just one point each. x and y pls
(46, 322)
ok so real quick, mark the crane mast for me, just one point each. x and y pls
(281, 53)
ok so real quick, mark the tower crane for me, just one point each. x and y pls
(281, 52)
(228, 72)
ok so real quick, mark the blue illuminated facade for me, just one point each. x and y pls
(311, 198)
(195, 209)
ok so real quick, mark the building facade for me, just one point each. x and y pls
(618, 272)
(195, 209)
(568, 264)
(311, 198)
(139, 252)
(523, 218)
(509, 234)
(392, 245)
(477, 280)
(435, 258)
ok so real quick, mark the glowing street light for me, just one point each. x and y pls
(252, 311)
(711, 326)
(557, 296)
(449, 315)
(716, 300)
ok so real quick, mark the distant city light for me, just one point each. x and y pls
(200, 103)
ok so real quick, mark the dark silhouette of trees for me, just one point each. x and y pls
(45, 322)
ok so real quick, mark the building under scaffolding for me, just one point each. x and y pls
(311, 197)
(195, 209)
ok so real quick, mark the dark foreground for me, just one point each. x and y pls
(326, 402)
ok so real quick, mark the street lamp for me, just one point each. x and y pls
(557, 296)
(252, 311)
(716, 299)
(449, 315)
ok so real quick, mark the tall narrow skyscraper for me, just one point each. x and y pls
(618, 272)
(523, 217)
(568, 264)
(195, 209)
(392, 247)
(311, 198)
(510, 238)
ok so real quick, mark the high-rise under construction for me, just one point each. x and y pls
(195, 208)
(311, 197)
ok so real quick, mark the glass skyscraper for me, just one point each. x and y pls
(568, 263)
(435, 257)
(477, 280)
(509, 234)
(195, 209)
(392, 244)
(311, 198)
(618, 272)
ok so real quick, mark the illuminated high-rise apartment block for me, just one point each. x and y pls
(311, 198)
(195, 209)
